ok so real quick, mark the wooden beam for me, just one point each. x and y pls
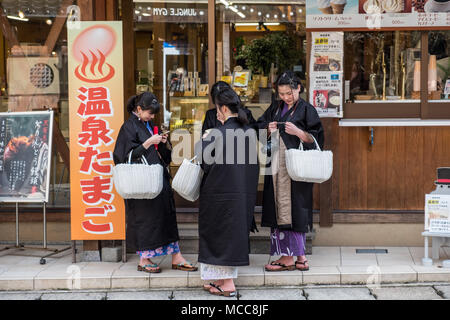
(7, 31)
(100, 10)
(86, 10)
(112, 10)
(326, 188)
(60, 144)
(57, 26)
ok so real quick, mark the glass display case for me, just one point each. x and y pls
(383, 66)
(439, 66)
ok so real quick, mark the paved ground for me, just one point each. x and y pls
(391, 292)
(339, 266)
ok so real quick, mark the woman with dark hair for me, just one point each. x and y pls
(287, 204)
(212, 118)
(152, 220)
(227, 196)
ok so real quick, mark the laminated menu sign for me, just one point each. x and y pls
(25, 149)
(326, 73)
(377, 14)
(437, 213)
(95, 54)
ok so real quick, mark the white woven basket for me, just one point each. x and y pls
(309, 165)
(138, 180)
(188, 179)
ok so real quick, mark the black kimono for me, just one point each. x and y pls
(212, 122)
(305, 117)
(227, 202)
(152, 221)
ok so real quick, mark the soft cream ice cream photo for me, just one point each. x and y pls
(325, 6)
(373, 7)
(393, 5)
(437, 6)
(338, 6)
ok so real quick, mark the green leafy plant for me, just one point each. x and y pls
(278, 48)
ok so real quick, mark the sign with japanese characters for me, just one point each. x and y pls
(437, 213)
(96, 115)
(25, 149)
(377, 14)
(326, 70)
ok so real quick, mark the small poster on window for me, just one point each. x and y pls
(326, 70)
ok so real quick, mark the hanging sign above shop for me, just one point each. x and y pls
(95, 117)
(377, 14)
(326, 70)
(176, 13)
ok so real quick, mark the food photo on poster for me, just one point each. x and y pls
(24, 156)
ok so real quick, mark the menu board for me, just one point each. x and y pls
(377, 14)
(437, 213)
(326, 73)
(25, 150)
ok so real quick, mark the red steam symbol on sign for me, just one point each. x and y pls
(91, 48)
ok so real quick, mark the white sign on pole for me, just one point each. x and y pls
(437, 213)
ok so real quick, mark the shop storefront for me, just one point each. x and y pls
(381, 84)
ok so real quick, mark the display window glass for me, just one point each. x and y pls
(33, 74)
(383, 66)
(439, 66)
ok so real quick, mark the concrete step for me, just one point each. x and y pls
(259, 241)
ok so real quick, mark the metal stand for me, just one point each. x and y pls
(22, 247)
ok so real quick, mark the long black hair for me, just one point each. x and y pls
(289, 78)
(216, 88)
(227, 97)
(146, 100)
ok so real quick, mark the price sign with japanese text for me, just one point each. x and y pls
(96, 115)
(437, 213)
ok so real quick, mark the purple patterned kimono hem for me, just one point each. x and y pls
(287, 243)
(171, 248)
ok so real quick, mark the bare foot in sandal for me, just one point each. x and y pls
(208, 286)
(284, 263)
(227, 288)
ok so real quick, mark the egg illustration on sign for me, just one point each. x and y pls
(90, 48)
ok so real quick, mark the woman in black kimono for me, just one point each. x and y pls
(153, 220)
(287, 204)
(227, 196)
(211, 116)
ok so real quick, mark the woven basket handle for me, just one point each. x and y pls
(144, 161)
(317, 145)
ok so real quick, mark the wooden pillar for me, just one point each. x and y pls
(211, 42)
(129, 59)
(424, 113)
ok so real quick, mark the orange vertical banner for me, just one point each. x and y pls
(95, 54)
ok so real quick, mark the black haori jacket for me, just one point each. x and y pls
(305, 117)
(151, 222)
(227, 200)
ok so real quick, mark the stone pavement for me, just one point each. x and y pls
(20, 270)
(358, 292)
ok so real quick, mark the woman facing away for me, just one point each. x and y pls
(153, 220)
(287, 204)
(227, 196)
(211, 117)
